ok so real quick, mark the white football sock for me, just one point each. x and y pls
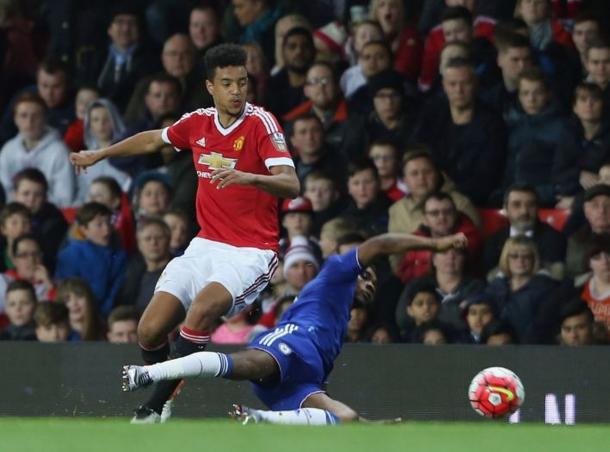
(201, 364)
(304, 416)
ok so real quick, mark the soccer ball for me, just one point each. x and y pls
(496, 392)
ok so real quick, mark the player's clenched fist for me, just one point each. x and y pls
(457, 241)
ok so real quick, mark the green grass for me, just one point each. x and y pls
(110, 435)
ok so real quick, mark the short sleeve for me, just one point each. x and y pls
(178, 134)
(344, 267)
(272, 146)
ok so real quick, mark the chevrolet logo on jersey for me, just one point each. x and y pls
(215, 160)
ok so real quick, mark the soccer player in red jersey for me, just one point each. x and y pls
(243, 166)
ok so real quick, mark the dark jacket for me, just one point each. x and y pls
(331, 162)
(575, 154)
(50, 226)
(578, 242)
(533, 142)
(373, 219)
(103, 267)
(472, 155)
(143, 63)
(364, 129)
(524, 309)
(498, 98)
(19, 333)
(281, 97)
(551, 245)
(137, 289)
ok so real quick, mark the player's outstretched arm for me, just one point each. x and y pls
(282, 182)
(394, 243)
(140, 143)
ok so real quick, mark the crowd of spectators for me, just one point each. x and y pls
(411, 116)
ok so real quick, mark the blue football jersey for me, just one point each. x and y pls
(323, 306)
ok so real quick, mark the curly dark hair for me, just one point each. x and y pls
(223, 55)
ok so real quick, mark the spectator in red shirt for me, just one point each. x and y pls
(325, 101)
(441, 218)
(596, 289)
(403, 39)
(452, 30)
(75, 134)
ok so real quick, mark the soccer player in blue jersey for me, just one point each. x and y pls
(289, 365)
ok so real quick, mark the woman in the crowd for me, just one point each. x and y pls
(85, 320)
(521, 293)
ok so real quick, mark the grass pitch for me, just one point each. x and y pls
(116, 435)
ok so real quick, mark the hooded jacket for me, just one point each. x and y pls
(50, 156)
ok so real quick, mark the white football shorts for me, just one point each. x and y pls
(243, 271)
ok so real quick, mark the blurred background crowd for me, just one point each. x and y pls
(430, 117)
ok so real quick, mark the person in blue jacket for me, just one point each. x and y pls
(94, 259)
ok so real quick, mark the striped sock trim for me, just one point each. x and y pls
(196, 337)
(226, 365)
(331, 419)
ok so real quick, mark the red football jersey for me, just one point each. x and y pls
(240, 215)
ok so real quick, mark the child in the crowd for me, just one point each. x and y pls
(368, 207)
(123, 325)
(432, 332)
(153, 195)
(103, 127)
(85, 320)
(296, 218)
(52, 324)
(358, 323)
(15, 220)
(321, 189)
(75, 134)
(385, 157)
(420, 303)
(94, 259)
(498, 333)
(331, 231)
(31, 190)
(479, 310)
(383, 334)
(178, 223)
(19, 307)
(106, 190)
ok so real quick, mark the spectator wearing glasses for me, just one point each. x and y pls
(441, 218)
(389, 120)
(29, 267)
(521, 207)
(324, 99)
(521, 293)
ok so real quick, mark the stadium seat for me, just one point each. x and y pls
(69, 214)
(492, 220)
(555, 217)
(495, 219)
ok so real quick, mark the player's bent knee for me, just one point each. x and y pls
(151, 335)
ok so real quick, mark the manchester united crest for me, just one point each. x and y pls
(238, 144)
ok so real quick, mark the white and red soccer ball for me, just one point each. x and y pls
(496, 392)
